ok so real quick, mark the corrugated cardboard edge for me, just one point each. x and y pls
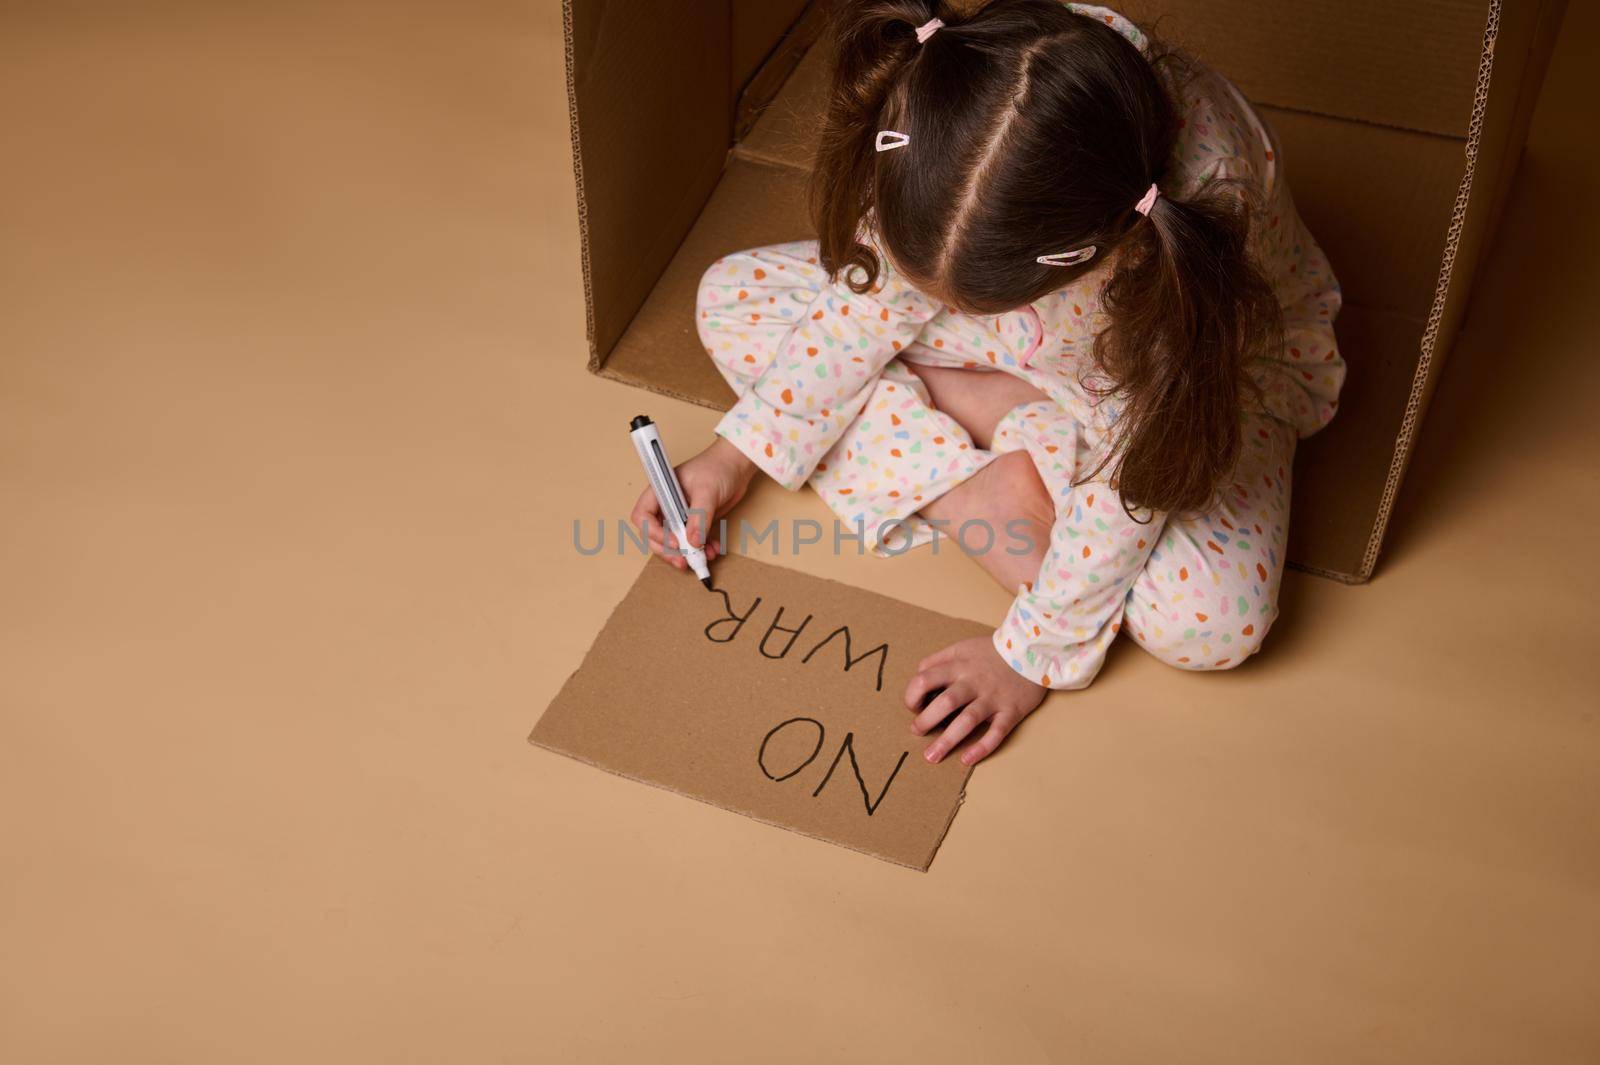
(568, 48)
(1330, 574)
(1405, 439)
(933, 851)
(611, 374)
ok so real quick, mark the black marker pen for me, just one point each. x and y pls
(664, 482)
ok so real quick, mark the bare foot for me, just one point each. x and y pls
(976, 399)
(1010, 498)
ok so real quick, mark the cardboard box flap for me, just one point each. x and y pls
(786, 134)
(1516, 51)
(1378, 200)
(1410, 65)
(756, 26)
(1281, 55)
(755, 204)
(643, 172)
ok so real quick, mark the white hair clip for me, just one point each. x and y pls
(1067, 258)
(888, 140)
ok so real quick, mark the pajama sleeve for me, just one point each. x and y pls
(823, 372)
(1058, 629)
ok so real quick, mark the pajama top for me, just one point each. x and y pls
(823, 400)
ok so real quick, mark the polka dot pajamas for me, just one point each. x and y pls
(825, 398)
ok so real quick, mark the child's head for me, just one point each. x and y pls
(1034, 132)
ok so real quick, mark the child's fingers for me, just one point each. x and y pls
(702, 506)
(646, 517)
(927, 679)
(658, 540)
(665, 544)
(646, 508)
(985, 745)
(957, 730)
(953, 698)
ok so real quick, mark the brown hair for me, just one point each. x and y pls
(1035, 130)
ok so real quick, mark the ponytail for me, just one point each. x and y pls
(874, 42)
(1188, 309)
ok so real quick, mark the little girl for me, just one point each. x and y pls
(1059, 288)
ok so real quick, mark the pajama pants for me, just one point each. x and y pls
(1196, 592)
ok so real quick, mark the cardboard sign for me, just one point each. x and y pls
(778, 696)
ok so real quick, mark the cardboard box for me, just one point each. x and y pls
(1402, 126)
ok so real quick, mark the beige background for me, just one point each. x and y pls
(293, 427)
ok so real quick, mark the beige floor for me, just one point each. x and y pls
(292, 430)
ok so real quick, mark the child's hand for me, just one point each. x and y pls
(974, 676)
(713, 481)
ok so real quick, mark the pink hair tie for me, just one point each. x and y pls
(1149, 201)
(928, 29)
